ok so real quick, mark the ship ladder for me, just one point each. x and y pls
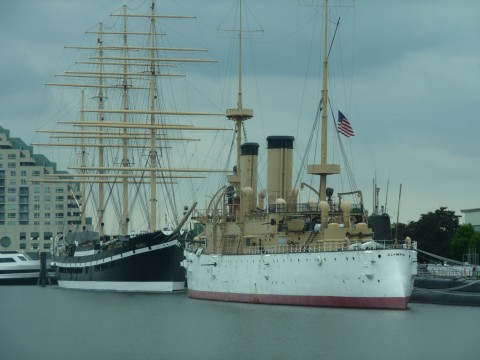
(311, 237)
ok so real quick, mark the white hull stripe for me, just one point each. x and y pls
(118, 256)
(124, 286)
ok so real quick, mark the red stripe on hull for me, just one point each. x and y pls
(400, 303)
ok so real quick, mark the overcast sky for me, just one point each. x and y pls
(405, 73)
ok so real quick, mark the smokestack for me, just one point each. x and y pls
(279, 178)
(249, 169)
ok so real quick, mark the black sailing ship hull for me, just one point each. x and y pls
(145, 263)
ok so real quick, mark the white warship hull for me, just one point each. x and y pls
(271, 247)
(356, 279)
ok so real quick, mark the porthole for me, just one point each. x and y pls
(5, 241)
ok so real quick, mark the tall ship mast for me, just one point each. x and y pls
(267, 247)
(125, 141)
(239, 114)
(324, 168)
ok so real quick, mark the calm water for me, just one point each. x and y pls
(53, 323)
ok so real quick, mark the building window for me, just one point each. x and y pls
(12, 156)
(23, 173)
(12, 215)
(12, 165)
(59, 198)
(59, 206)
(36, 173)
(12, 173)
(59, 215)
(23, 236)
(34, 235)
(59, 190)
(36, 198)
(48, 235)
(47, 215)
(13, 182)
(12, 190)
(23, 246)
(36, 207)
(36, 215)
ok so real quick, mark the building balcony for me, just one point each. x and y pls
(27, 162)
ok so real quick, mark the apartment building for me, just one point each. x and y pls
(472, 216)
(32, 212)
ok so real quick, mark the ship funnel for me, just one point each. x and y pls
(249, 170)
(279, 178)
(246, 205)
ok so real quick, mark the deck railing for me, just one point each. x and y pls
(316, 247)
(448, 271)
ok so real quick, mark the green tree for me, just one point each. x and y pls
(403, 230)
(465, 241)
(434, 231)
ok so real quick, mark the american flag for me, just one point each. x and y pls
(344, 126)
